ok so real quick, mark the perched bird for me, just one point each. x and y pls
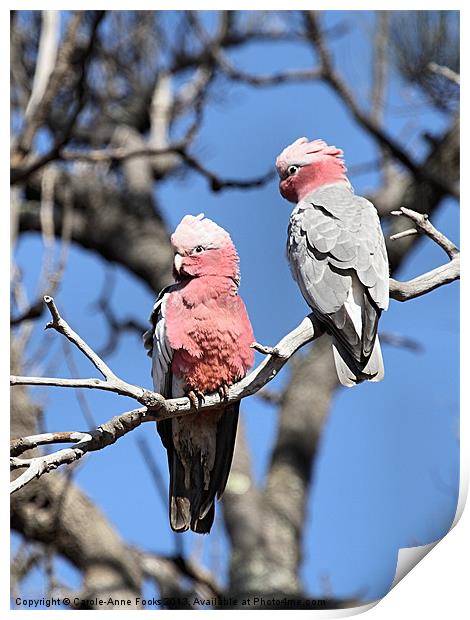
(336, 251)
(199, 343)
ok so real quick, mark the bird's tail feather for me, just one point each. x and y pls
(351, 372)
(191, 500)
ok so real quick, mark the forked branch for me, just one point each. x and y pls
(445, 274)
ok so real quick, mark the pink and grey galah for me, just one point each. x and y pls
(337, 255)
(199, 342)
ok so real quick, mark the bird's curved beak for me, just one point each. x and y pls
(178, 262)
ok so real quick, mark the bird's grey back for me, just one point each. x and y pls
(331, 232)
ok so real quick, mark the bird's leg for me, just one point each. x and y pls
(196, 397)
(224, 391)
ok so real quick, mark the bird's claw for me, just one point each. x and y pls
(223, 391)
(196, 397)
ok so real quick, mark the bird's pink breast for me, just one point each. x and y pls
(209, 330)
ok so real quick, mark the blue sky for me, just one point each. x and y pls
(387, 472)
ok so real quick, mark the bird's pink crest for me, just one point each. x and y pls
(302, 152)
(199, 230)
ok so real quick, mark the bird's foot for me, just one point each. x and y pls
(223, 391)
(196, 397)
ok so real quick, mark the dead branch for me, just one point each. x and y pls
(445, 274)
(217, 184)
(104, 435)
(452, 76)
(51, 67)
(400, 341)
(422, 222)
(162, 408)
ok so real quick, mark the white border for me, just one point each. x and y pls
(439, 587)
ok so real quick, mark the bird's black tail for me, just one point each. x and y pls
(195, 482)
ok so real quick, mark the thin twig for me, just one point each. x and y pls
(60, 325)
(122, 154)
(422, 222)
(261, 348)
(380, 66)
(452, 76)
(404, 233)
(445, 274)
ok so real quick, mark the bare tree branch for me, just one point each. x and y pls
(403, 291)
(160, 407)
(26, 558)
(51, 274)
(452, 76)
(446, 274)
(380, 66)
(61, 326)
(34, 311)
(67, 64)
(331, 76)
(157, 408)
(47, 53)
(122, 154)
(400, 341)
(51, 67)
(116, 326)
(217, 184)
(422, 222)
(272, 79)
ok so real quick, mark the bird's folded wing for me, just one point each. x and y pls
(158, 346)
(336, 245)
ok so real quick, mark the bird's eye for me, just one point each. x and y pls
(198, 249)
(292, 170)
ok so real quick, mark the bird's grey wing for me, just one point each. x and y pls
(374, 273)
(337, 255)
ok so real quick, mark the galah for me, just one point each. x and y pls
(336, 251)
(199, 343)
